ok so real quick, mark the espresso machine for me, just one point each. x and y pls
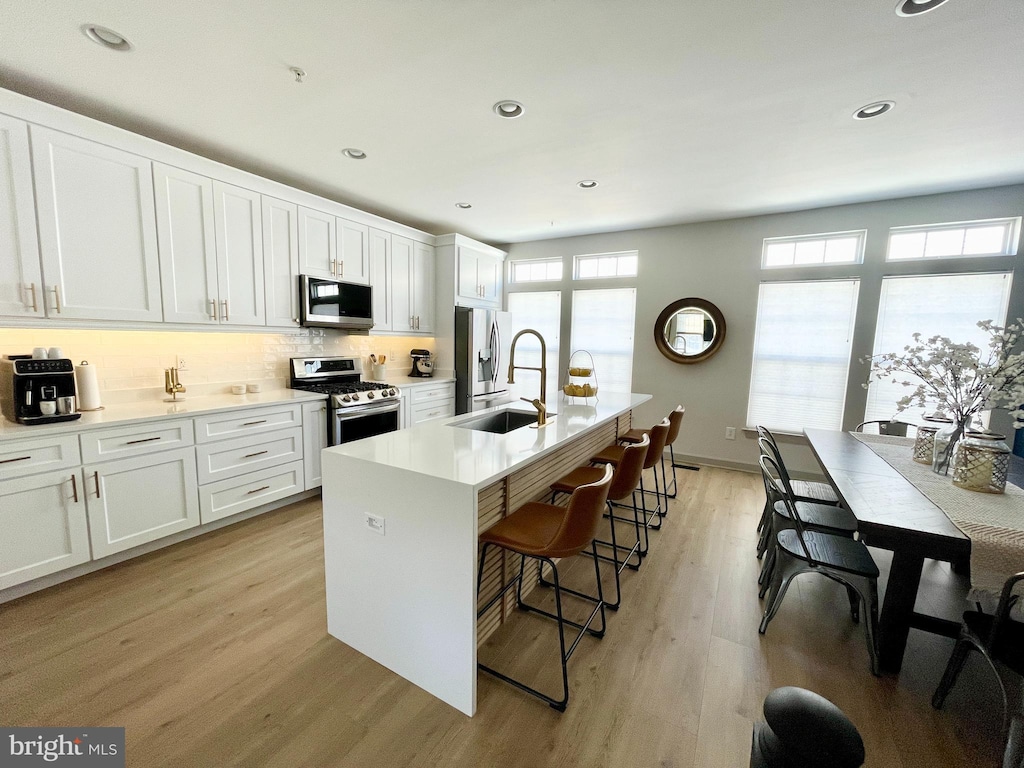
(422, 365)
(34, 391)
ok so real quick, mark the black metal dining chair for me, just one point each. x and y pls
(1000, 641)
(885, 427)
(841, 559)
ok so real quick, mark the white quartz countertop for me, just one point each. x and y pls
(126, 413)
(469, 457)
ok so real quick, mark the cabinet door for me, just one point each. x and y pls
(318, 246)
(468, 280)
(281, 261)
(380, 280)
(188, 247)
(239, 255)
(314, 439)
(353, 252)
(44, 527)
(489, 273)
(401, 284)
(423, 287)
(97, 229)
(21, 280)
(137, 500)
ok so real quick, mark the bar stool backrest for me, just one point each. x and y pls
(779, 484)
(630, 467)
(582, 515)
(659, 436)
(675, 419)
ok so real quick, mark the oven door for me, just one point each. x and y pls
(348, 424)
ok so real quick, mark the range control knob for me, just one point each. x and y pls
(355, 396)
(383, 393)
(392, 392)
(346, 399)
(369, 395)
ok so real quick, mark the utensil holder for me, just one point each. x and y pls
(378, 372)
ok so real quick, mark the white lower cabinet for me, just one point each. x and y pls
(43, 520)
(137, 500)
(227, 458)
(431, 402)
(238, 494)
(314, 437)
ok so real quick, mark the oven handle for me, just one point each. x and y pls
(342, 414)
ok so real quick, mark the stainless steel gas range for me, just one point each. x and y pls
(356, 408)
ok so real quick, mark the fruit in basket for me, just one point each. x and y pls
(580, 371)
(588, 391)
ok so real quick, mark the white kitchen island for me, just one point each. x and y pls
(402, 512)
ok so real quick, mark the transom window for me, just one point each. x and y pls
(597, 265)
(813, 250)
(990, 237)
(540, 270)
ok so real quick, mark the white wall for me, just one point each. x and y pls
(720, 261)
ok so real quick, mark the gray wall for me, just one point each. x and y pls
(720, 261)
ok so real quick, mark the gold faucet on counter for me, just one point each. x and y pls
(172, 386)
(539, 404)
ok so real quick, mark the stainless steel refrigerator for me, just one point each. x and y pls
(481, 359)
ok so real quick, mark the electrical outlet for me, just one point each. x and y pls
(730, 433)
(182, 365)
(375, 523)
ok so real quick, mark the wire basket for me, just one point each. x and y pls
(581, 381)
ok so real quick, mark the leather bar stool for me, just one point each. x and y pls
(546, 532)
(612, 454)
(675, 420)
(625, 481)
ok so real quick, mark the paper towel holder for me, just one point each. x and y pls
(80, 408)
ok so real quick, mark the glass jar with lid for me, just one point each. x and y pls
(924, 443)
(981, 462)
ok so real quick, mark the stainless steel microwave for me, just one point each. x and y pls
(325, 303)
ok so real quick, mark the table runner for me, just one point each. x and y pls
(993, 522)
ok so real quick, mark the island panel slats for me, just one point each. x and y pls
(532, 483)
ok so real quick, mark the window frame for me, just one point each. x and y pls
(859, 234)
(576, 260)
(550, 260)
(1010, 239)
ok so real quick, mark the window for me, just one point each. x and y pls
(536, 271)
(802, 354)
(934, 305)
(991, 237)
(813, 250)
(598, 265)
(541, 311)
(602, 324)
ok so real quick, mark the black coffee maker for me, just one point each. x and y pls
(36, 391)
(422, 366)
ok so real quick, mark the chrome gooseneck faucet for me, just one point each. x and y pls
(541, 403)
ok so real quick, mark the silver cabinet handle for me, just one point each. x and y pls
(258, 453)
(213, 309)
(257, 490)
(74, 488)
(254, 423)
(143, 440)
(20, 458)
(96, 477)
(56, 298)
(341, 267)
(32, 293)
(334, 267)
(224, 302)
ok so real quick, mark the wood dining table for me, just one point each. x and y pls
(891, 514)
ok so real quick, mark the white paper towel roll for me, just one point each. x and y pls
(88, 387)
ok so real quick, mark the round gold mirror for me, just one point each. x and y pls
(689, 330)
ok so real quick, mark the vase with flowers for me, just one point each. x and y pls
(959, 380)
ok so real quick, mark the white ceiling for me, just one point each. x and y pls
(682, 110)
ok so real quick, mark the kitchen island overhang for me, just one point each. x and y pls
(402, 513)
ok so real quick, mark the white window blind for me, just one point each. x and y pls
(603, 323)
(802, 354)
(934, 305)
(542, 311)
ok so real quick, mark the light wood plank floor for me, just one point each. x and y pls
(214, 652)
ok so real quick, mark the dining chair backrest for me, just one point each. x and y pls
(767, 435)
(1006, 601)
(675, 419)
(629, 469)
(769, 447)
(582, 515)
(659, 436)
(774, 478)
(886, 427)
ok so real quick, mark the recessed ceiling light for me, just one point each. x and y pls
(508, 108)
(463, 205)
(917, 7)
(355, 154)
(873, 110)
(586, 184)
(108, 38)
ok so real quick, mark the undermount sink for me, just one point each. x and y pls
(501, 423)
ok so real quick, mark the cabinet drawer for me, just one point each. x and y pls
(248, 422)
(433, 410)
(28, 457)
(436, 392)
(136, 440)
(237, 494)
(229, 458)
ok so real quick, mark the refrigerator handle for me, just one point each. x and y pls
(495, 351)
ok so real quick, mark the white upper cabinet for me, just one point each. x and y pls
(380, 280)
(423, 277)
(97, 229)
(21, 281)
(402, 273)
(479, 278)
(239, 233)
(404, 316)
(188, 246)
(353, 252)
(318, 243)
(281, 261)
